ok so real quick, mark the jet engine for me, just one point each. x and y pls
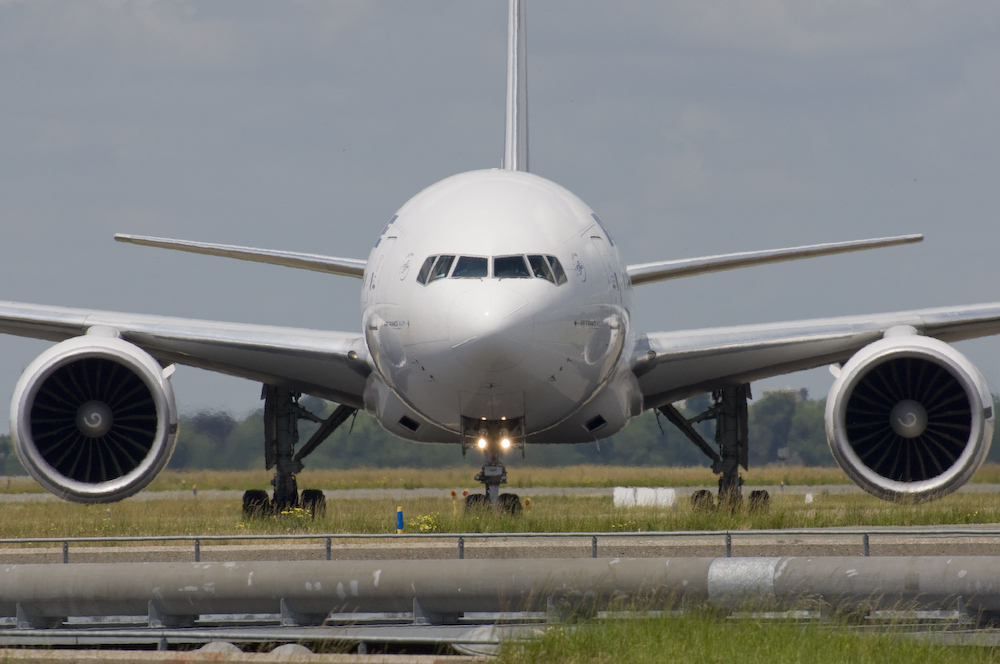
(93, 418)
(909, 418)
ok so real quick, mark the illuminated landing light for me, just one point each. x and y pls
(482, 443)
(505, 443)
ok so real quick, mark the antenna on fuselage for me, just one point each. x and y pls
(516, 136)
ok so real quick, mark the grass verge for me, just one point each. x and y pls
(706, 638)
(520, 478)
(192, 515)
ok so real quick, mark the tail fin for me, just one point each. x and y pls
(515, 157)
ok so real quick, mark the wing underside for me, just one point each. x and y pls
(330, 365)
(675, 365)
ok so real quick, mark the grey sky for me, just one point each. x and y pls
(692, 128)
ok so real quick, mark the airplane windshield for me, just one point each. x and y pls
(471, 267)
(557, 270)
(425, 270)
(540, 268)
(510, 267)
(442, 267)
(504, 267)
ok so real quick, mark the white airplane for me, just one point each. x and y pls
(496, 314)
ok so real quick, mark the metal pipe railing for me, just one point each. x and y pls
(665, 534)
(440, 591)
(728, 535)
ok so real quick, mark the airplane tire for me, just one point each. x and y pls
(760, 502)
(315, 501)
(476, 502)
(256, 503)
(510, 503)
(702, 500)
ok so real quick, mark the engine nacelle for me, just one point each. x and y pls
(909, 418)
(93, 418)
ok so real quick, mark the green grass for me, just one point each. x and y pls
(192, 515)
(461, 477)
(696, 638)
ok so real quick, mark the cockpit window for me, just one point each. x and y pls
(540, 268)
(504, 267)
(557, 270)
(425, 270)
(510, 267)
(471, 267)
(442, 267)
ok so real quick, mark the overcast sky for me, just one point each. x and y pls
(692, 128)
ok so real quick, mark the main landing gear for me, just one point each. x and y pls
(282, 413)
(729, 410)
(493, 437)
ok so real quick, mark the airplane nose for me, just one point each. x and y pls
(490, 327)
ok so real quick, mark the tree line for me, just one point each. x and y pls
(784, 427)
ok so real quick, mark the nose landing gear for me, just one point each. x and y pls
(493, 437)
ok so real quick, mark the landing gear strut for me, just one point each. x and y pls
(729, 410)
(493, 474)
(493, 437)
(282, 413)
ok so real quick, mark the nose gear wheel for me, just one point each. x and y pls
(492, 433)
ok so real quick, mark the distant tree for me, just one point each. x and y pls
(994, 453)
(807, 436)
(215, 425)
(9, 464)
(770, 421)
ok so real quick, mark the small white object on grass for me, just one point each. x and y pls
(645, 497)
(624, 496)
(627, 496)
(809, 498)
(666, 497)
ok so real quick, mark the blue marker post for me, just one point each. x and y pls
(399, 520)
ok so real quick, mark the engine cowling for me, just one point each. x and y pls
(93, 418)
(909, 418)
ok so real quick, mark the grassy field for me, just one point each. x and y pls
(520, 478)
(195, 515)
(706, 638)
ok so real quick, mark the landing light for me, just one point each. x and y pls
(505, 443)
(482, 443)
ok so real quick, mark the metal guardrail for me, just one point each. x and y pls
(460, 538)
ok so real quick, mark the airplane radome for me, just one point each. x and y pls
(496, 315)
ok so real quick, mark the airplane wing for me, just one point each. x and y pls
(348, 267)
(675, 365)
(647, 273)
(330, 365)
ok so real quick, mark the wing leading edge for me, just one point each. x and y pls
(348, 267)
(647, 273)
(330, 365)
(675, 365)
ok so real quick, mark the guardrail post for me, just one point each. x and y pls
(729, 545)
(593, 547)
(65, 553)
(329, 548)
(461, 548)
(864, 544)
(197, 551)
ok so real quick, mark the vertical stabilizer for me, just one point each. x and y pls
(515, 156)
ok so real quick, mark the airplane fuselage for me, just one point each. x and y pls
(498, 296)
